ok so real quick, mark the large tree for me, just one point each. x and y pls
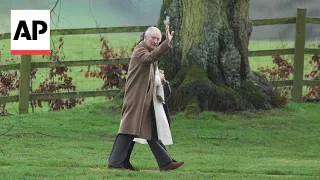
(208, 65)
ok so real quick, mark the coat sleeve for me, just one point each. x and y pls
(147, 57)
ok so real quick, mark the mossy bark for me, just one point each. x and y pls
(208, 61)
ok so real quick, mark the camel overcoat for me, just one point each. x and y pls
(163, 128)
(139, 89)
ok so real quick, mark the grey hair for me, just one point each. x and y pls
(151, 29)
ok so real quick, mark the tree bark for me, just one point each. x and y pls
(208, 65)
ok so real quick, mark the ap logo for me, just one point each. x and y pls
(30, 32)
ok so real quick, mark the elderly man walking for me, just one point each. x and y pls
(138, 119)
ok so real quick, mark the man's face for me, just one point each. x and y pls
(153, 39)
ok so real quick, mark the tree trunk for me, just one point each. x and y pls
(208, 65)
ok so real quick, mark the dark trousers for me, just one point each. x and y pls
(127, 159)
(124, 142)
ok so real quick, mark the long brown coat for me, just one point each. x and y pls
(139, 88)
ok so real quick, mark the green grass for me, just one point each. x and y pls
(75, 144)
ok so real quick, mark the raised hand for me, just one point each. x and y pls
(169, 35)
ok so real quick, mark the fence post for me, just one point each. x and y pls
(299, 49)
(24, 84)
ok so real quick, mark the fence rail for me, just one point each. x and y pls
(290, 83)
(46, 96)
(125, 60)
(313, 20)
(25, 96)
(264, 22)
(16, 66)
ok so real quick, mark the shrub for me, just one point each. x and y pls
(282, 70)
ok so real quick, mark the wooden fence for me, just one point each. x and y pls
(25, 96)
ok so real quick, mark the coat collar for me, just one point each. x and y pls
(143, 44)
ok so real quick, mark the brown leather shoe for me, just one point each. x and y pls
(110, 167)
(171, 166)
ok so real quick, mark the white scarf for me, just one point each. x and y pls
(163, 128)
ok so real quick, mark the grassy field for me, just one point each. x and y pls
(86, 47)
(75, 144)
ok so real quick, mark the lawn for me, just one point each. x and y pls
(75, 144)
